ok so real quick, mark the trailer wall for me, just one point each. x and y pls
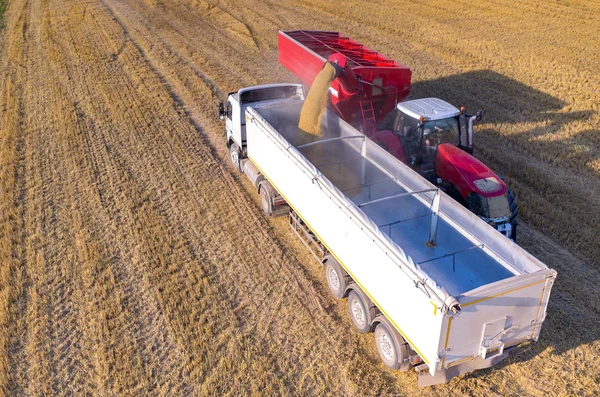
(497, 317)
(507, 300)
(374, 269)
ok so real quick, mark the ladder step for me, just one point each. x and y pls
(368, 112)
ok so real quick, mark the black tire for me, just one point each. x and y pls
(360, 312)
(337, 280)
(513, 232)
(514, 212)
(266, 197)
(391, 348)
(235, 155)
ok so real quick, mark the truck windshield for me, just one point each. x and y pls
(269, 93)
(436, 132)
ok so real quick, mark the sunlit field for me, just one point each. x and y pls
(135, 260)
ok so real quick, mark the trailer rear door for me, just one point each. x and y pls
(496, 317)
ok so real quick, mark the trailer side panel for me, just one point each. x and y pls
(372, 268)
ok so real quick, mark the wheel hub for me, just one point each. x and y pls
(235, 157)
(263, 201)
(334, 280)
(357, 312)
(386, 347)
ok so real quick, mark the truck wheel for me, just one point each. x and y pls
(336, 279)
(266, 197)
(391, 349)
(234, 155)
(360, 313)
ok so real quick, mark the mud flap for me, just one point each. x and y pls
(444, 376)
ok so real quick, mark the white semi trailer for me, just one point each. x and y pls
(442, 290)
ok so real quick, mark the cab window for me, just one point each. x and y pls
(405, 121)
(441, 131)
(228, 110)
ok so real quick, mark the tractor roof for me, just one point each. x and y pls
(430, 108)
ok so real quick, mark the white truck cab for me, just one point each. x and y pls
(234, 112)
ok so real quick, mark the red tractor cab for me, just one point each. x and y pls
(436, 139)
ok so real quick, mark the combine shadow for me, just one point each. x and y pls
(507, 101)
(502, 99)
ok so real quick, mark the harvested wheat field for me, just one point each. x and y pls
(136, 261)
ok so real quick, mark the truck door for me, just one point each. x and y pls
(243, 125)
(497, 316)
(236, 122)
(229, 119)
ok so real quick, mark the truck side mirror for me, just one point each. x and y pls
(479, 115)
(221, 111)
(407, 132)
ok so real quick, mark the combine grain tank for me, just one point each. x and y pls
(372, 83)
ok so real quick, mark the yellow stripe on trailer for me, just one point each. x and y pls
(342, 264)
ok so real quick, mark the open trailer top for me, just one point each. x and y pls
(444, 292)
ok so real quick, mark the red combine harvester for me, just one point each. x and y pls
(429, 134)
